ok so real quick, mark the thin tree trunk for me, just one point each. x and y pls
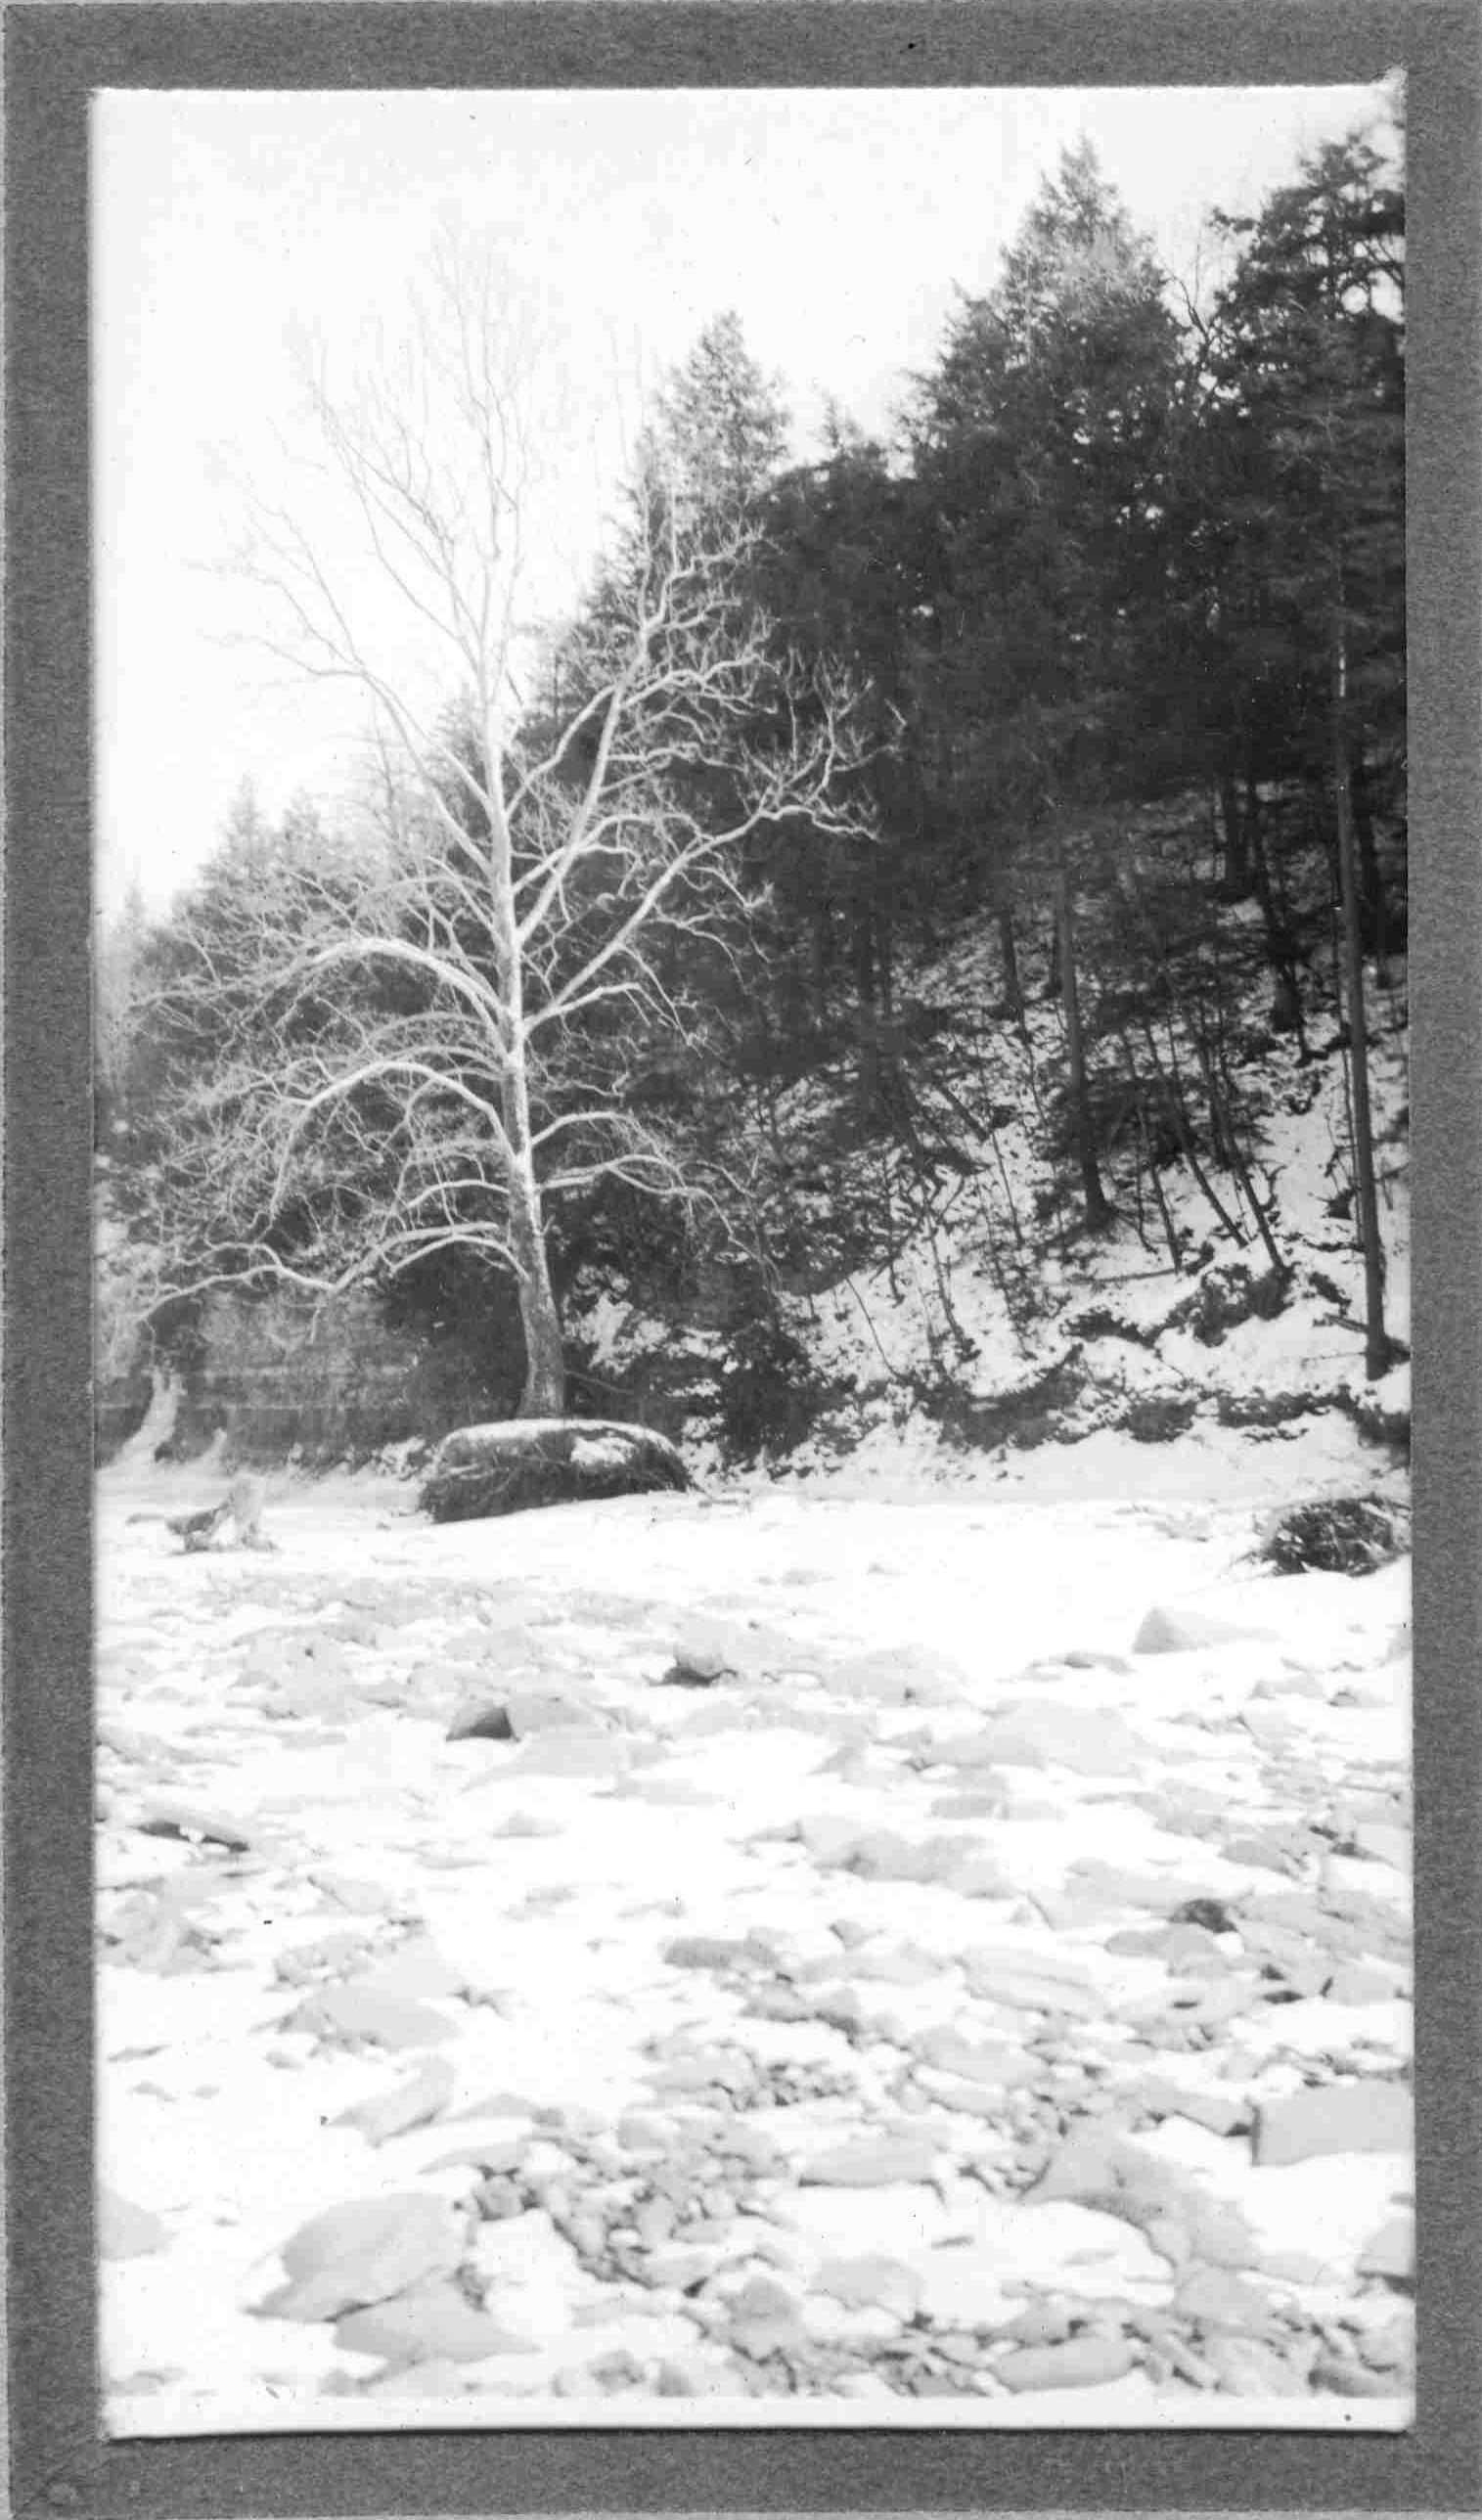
(1376, 1350)
(1178, 1112)
(1223, 1124)
(1236, 881)
(1009, 950)
(868, 1017)
(1170, 1237)
(1223, 1092)
(884, 970)
(1285, 989)
(1220, 1131)
(544, 1394)
(1372, 905)
(1097, 1205)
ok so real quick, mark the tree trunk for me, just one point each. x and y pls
(1054, 976)
(1139, 1105)
(884, 963)
(545, 1385)
(867, 1014)
(1373, 909)
(1177, 1113)
(1237, 882)
(1286, 990)
(1098, 1206)
(1377, 1344)
(873, 954)
(544, 1394)
(1008, 951)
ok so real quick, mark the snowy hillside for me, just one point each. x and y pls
(970, 1322)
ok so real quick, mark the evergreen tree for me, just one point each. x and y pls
(839, 571)
(719, 431)
(1040, 444)
(1321, 287)
(1307, 347)
(122, 947)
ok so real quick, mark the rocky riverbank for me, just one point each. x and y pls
(691, 1960)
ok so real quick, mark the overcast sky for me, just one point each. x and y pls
(232, 232)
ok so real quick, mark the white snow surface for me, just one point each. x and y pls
(514, 1431)
(896, 1652)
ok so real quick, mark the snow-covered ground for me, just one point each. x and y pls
(879, 1977)
(916, 1936)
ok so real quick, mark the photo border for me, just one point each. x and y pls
(55, 57)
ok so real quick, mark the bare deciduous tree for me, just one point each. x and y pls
(423, 1056)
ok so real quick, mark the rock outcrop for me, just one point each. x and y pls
(517, 1464)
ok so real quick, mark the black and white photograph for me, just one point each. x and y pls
(752, 1392)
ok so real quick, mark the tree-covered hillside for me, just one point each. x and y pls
(970, 862)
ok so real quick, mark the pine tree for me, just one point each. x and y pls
(719, 431)
(838, 570)
(1309, 374)
(1040, 443)
(1312, 331)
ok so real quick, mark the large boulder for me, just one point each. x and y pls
(1337, 1536)
(524, 1461)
